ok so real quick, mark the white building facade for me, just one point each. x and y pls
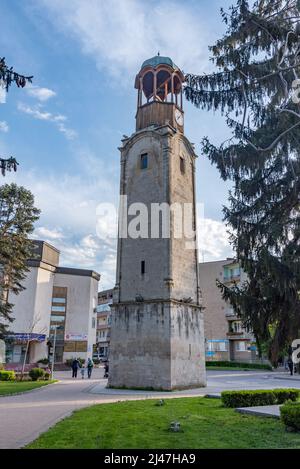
(56, 301)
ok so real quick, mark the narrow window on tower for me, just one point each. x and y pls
(144, 161)
(143, 270)
(182, 165)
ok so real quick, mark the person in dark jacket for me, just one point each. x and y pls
(106, 368)
(290, 365)
(75, 366)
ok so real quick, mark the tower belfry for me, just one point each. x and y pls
(157, 338)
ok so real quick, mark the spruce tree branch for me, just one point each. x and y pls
(274, 143)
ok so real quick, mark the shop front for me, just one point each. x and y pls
(22, 347)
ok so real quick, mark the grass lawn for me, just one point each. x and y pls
(142, 424)
(10, 387)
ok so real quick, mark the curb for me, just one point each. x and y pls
(255, 413)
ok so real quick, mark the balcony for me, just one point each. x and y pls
(239, 335)
(103, 326)
(232, 278)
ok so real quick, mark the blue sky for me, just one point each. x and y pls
(65, 130)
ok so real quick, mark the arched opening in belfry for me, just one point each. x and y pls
(148, 82)
(163, 85)
(160, 85)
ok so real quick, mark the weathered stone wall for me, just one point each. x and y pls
(145, 186)
(187, 347)
(162, 182)
(156, 345)
(183, 254)
(157, 342)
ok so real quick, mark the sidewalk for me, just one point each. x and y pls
(286, 375)
(261, 411)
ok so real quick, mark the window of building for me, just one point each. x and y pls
(236, 326)
(231, 272)
(55, 319)
(143, 267)
(93, 323)
(217, 345)
(182, 165)
(58, 300)
(240, 346)
(144, 161)
(57, 309)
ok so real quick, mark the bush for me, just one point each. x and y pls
(47, 376)
(290, 416)
(258, 397)
(251, 366)
(7, 375)
(36, 373)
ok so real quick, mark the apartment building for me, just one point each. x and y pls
(225, 338)
(105, 299)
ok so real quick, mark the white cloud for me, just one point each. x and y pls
(120, 35)
(69, 212)
(58, 119)
(4, 126)
(48, 234)
(3, 93)
(213, 240)
(42, 94)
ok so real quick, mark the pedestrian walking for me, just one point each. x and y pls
(75, 365)
(291, 365)
(90, 366)
(106, 368)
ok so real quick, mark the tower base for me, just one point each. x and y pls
(157, 345)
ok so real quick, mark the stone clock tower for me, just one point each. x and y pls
(157, 338)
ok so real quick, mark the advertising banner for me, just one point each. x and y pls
(76, 337)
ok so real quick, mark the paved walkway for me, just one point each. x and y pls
(261, 411)
(24, 417)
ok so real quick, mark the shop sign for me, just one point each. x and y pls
(25, 337)
(76, 337)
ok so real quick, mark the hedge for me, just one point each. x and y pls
(290, 416)
(252, 366)
(7, 375)
(258, 397)
(36, 373)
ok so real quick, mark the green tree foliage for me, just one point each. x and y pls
(256, 85)
(7, 77)
(17, 217)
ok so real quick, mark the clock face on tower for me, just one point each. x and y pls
(178, 117)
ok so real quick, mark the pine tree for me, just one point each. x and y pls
(17, 217)
(256, 85)
(7, 77)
